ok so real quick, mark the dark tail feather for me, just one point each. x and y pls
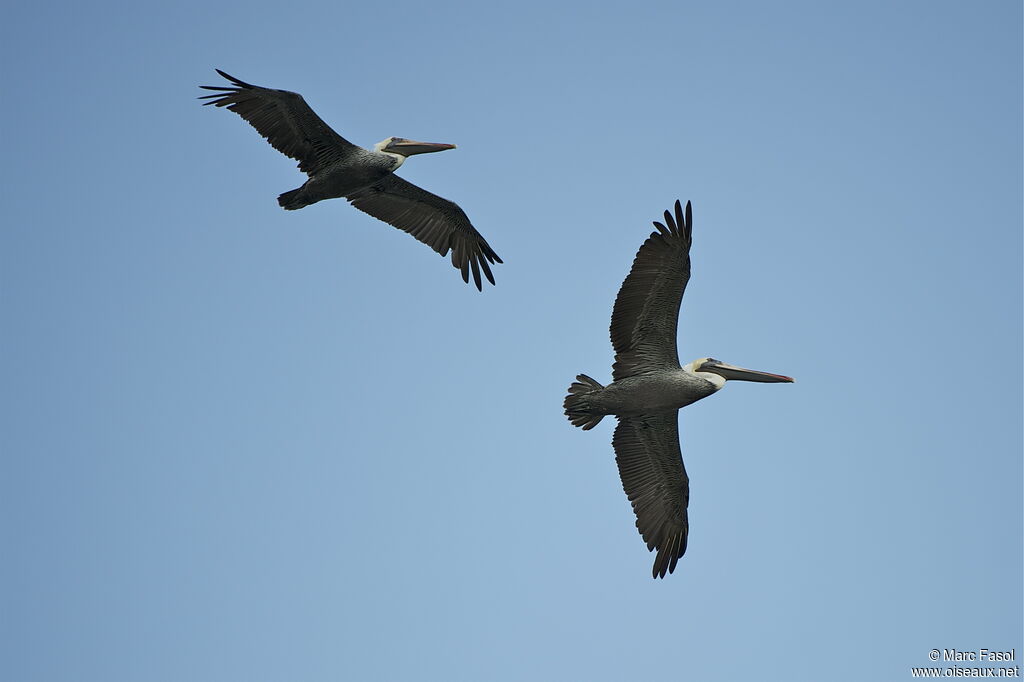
(577, 404)
(291, 200)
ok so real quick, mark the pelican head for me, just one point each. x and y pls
(717, 372)
(405, 148)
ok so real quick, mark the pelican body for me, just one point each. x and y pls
(654, 392)
(358, 169)
(649, 386)
(646, 393)
(337, 168)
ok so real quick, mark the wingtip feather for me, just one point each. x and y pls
(487, 271)
(237, 81)
(476, 274)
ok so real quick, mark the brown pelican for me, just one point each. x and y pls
(338, 168)
(648, 388)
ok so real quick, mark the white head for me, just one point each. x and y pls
(400, 148)
(717, 372)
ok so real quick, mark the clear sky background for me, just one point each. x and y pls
(240, 443)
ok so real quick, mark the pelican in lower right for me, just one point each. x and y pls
(648, 388)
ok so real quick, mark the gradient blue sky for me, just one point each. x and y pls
(245, 444)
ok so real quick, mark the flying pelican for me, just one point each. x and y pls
(648, 388)
(338, 168)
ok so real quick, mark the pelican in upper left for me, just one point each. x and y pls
(338, 168)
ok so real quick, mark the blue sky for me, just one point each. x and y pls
(241, 443)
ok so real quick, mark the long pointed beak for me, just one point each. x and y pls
(410, 147)
(740, 374)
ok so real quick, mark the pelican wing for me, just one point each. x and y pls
(654, 478)
(646, 312)
(437, 222)
(285, 120)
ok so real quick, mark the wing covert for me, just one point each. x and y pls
(646, 312)
(654, 479)
(285, 120)
(437, 222)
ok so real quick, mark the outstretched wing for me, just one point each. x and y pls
(285, 120)
(646, 312)
(654, 478)
(437, 222)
